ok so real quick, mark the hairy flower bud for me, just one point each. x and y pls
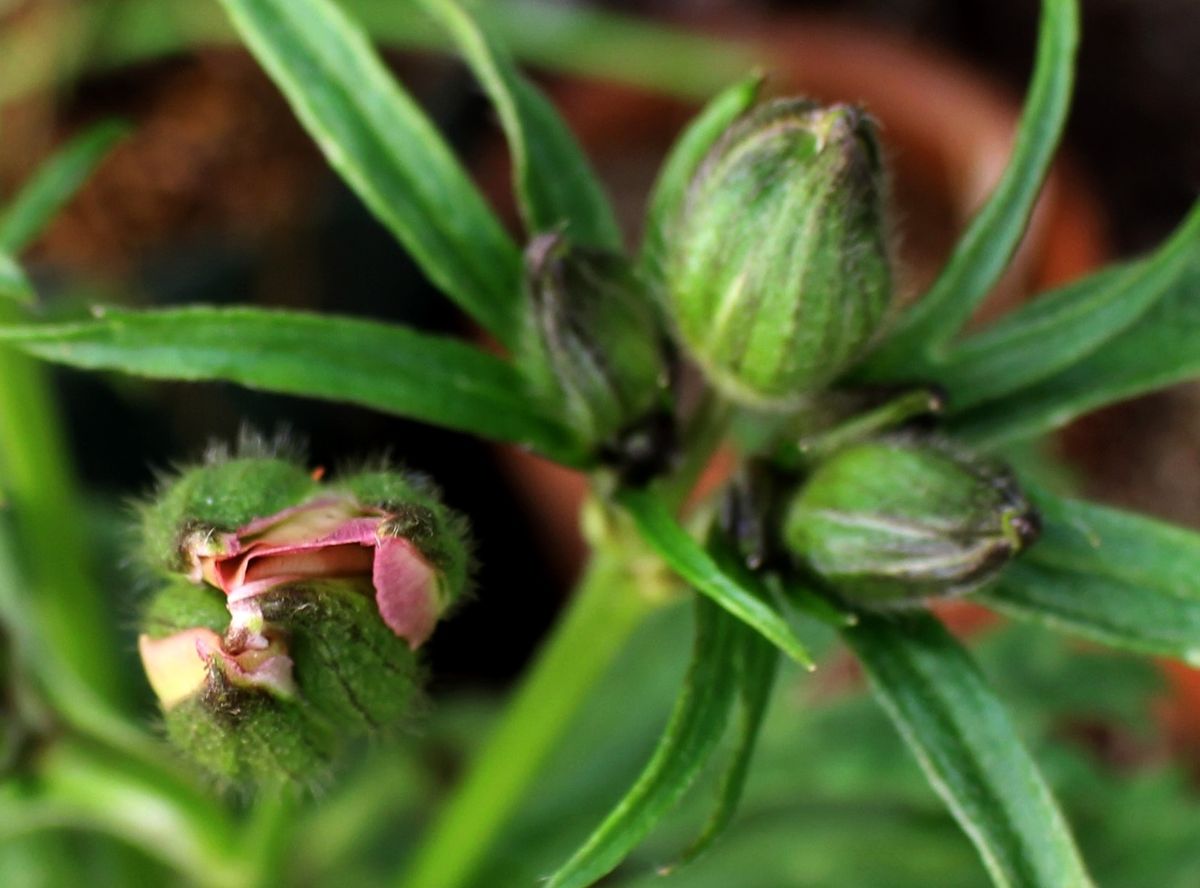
(892, 521)
(777, 267)
(596, 345)
(291, 610)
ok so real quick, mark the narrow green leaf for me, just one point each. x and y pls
(756, 662)
(388, 368)
(972, 756)
(688, 559)
(685, 156)
(552, 178)
(385, 147)
(13, 283)
(1160, 349)
(690, 738)
(1060, 328)
(54, 184)
(984, 250)
(1110, 576)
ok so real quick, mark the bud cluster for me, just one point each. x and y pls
(776, 281)
(290, 611)
(769, 267)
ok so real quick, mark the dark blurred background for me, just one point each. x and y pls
(218, 197)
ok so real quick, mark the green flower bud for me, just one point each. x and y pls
(893, 521)
(330, 670)
(595, 346)
(278, 635)
(777, 267)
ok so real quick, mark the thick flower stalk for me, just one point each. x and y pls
(291, 611)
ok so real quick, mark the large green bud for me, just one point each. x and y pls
(777, 267)
(290, 611)
(894, 521)
(596, 348)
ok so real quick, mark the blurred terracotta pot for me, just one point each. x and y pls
(948, 132)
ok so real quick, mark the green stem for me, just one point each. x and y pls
(36, 478)
(623, 585)
(607, 606)
(814, 448)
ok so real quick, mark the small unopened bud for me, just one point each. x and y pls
(897, 520)
(596, 346)
(777, 267)
(279, 635)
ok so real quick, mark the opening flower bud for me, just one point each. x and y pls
(278, 635)
(596, 347)
(893, 521)
(777, 266)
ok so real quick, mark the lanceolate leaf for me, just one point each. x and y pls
(384, 146)
(691, 736)
(968, 748)
(1108, 575)
(1060, 328)
(553, 180)
(757, 662)
(1160, 349)
(681, 163)
(388, 368)
(54, 184)
(689, 560)
(989, 242)
(13, 283)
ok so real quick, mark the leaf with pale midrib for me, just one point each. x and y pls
(387, 150)
(386, 367)
(985, 248)
(1111, 576)
(969, 750)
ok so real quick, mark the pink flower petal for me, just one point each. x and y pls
(406, 590)
(321, 524)
(265, 667)
(327, 561)
(328, 511)
(330, 537)
(174, 665)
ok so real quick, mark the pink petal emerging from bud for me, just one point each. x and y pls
(264, 666)
(178, 665)
(327, 538)
(174, 665)
(406, 590)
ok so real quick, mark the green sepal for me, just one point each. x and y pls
(352, 671)
(353, 676)
(183, 605)
(219, 495)
(418, 514)
(666, 199)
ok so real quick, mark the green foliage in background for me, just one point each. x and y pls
(532, 801)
